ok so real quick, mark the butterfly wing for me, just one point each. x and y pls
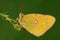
(44, 23)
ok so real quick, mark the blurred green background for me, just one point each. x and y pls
(51, 7)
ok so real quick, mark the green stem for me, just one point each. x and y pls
(13, 22)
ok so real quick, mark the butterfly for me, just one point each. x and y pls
(36, 24)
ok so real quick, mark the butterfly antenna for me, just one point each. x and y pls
(21, 13)
(21, 10)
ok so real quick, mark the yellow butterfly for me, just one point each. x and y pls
(36, 24)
